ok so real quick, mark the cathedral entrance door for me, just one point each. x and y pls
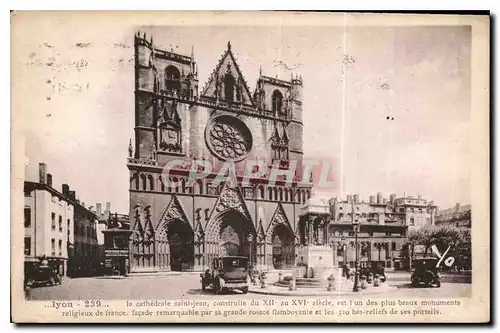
(230, 242)
(283, 247)
(233, 238)
(181, 247)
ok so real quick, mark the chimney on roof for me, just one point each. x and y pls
(98, 209)
(349, 199)
(379, 197)
(393, 198)
(83, 204)
(65, 189)
(42, 173)
(372, 199)
(72, 195)
(49, 179)
(108, 206)
(356, 199)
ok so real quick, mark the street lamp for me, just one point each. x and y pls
(250, 241)
(344, 249)
(356, 227)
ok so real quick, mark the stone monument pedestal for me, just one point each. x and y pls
(318, 259)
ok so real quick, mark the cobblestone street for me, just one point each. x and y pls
(188, 287)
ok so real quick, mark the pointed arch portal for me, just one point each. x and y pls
(228, 234)
(174, 245)
(283, 251)
(170, 247)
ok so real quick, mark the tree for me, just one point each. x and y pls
(442, 237)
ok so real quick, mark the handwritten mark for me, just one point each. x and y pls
(447, 261)
(86, 44)
(285, 66)
(123, 46)
(385, 86)
(51, 61)
(348, 60)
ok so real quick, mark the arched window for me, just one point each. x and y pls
(261, 192)
(277, 101)
(136, 181)
(280, 193)
(175, 184)
(298, 196)
(229, 87)
(162, 185)
(151, 183)
(219, 189)
(172, 79)
(183, 184)
(143, 182)
(275, 194)
(270, 193)
(199, 186)
(286, 195)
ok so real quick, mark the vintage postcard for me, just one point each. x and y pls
(250, 167)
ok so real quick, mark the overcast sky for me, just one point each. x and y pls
(79, 92)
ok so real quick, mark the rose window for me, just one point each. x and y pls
(228, 138)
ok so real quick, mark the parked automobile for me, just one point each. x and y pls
(40, 274)
(374, 267)
(426, 272)
(226, 273)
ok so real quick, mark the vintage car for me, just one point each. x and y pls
(374, 267)
(426, 272)
(226, 273)
(36, 274)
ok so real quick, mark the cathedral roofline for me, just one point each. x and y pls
(276, 81)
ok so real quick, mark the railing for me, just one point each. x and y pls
(171, 55)
(142, 161)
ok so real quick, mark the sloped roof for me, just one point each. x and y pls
(227, 57)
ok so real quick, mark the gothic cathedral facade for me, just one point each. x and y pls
(183, 227)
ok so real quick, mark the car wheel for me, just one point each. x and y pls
(438, 284)
(244, 290)
(429, 277)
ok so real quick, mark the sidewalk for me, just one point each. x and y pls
(340, 289)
